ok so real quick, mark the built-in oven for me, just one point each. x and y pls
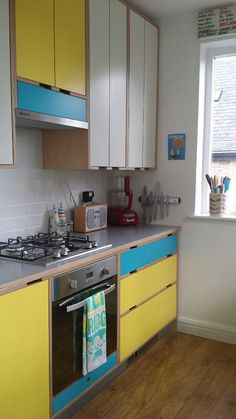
(69, 295)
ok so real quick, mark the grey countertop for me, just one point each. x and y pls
(122, 235)
(10, 270)
(17, 274)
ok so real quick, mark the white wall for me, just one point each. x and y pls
(28, 192)
(207, 269)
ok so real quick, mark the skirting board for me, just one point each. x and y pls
(206, 330)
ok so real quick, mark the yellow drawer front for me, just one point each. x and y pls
(139, 286)
(145, 321)
(70, 45)
(24, 353)
(35, 40)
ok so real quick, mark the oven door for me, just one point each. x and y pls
(67, 333)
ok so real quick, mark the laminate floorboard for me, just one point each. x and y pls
(181, 376)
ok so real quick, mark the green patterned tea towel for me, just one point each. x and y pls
(94, 333)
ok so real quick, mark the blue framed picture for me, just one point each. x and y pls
(176, 146)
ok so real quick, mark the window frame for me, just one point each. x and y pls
(208, 50)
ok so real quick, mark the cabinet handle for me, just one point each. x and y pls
(169, 285)
(132, 308)
(133, 272)
(34, 282)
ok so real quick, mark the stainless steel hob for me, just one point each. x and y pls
(46, 249)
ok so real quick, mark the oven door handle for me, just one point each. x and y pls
(66, 301)
(81, 304)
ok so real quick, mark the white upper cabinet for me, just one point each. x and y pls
(136, 91)
(6, 130)
(150, 96)
(142, 93)
(99, 82)
(118, 76)
(107, 115)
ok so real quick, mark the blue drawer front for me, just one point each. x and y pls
(39, 99)
(73, 391)
(148, 253)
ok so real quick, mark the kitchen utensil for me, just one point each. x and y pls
(208, 178)
(71, 194)
(144, 204)
(167, 205)
(156, 198)
(161, 206)
(150, 207)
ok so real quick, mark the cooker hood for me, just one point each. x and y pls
(28, 119)
(43, 108)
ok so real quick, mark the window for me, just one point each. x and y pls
(217, 121)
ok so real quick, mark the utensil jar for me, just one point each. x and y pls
(217, 204)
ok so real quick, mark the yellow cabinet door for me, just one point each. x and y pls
(24, 353)
(70, 45)
(138, 326)
(141, 285)
(35, 40)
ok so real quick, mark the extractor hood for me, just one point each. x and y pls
(27, 119)
(43, 108)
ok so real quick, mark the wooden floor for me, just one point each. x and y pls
(181, 376)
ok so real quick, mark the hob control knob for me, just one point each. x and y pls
(105, 271)
(73, 283)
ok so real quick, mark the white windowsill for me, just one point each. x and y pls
(213, 218)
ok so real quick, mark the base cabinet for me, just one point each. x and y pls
(147, 292)
(145, 321)
(24, 353)
(139, 286)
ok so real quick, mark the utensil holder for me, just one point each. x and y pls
(217, 204)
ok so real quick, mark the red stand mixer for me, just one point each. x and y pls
(120, 212)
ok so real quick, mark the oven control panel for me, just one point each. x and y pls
(80, 279)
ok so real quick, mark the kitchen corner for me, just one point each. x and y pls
(104, 148)
(125, 267)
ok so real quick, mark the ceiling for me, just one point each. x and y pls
(158, 9)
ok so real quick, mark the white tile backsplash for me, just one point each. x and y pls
(27, 193)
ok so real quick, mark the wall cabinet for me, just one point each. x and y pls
(70, 45)
(107, 80)
(147, 296)
(122, 94)
(24, 353)
(104, 145)
(142, 93)
(50, 43)
(7, 132)
(35, 40)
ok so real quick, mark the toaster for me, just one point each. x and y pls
(90, 217)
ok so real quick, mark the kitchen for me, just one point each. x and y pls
(206, 304)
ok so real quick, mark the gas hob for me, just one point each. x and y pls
(45, 249)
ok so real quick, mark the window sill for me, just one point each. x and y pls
(208, 217)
